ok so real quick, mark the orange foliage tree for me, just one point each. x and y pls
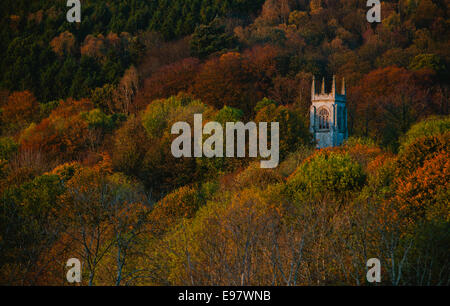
(425, 193)
(387, 101)
(227, 81)
(168, 81)
(65, 43)
(62, 135)
(20, 109)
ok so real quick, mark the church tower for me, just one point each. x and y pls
(328, 115)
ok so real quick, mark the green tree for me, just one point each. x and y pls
(212, 38)
(327, 172)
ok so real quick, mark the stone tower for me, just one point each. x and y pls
(328, 115)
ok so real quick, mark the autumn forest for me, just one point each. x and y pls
(86, 169)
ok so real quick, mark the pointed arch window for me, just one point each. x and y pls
(324, 119)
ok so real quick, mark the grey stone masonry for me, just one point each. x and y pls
(328, 115)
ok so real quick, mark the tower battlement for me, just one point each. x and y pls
(331, 96)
